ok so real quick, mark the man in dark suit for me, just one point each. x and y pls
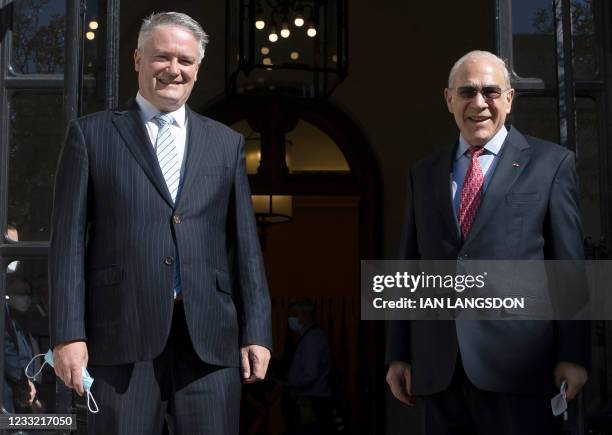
(499, 195)
(156, 275)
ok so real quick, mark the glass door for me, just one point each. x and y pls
(56, 63)
(559, 56)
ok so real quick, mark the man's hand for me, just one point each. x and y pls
(32, 392)
(399, 380)
(68, 361)
(254, 361)
(575, 376)
(24, 392)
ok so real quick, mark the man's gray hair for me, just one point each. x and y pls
(177, 19)
(475, 54)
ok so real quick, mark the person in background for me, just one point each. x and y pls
(308, 376)
(19, 392)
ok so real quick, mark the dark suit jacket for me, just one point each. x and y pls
(116, 235)
(528, 212)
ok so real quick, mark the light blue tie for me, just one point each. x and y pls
(167, 154)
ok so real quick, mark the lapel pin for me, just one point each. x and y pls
(516, 164)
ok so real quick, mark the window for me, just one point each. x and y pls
(41, 88)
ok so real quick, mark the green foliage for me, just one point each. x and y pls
(38, 37)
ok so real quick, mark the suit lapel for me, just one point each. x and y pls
(135, 137)
(198, 132)
(515, 155)
(441, 177)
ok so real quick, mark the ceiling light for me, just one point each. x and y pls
(273, 36)
(285, 28)
(259, 19)
(299, 16)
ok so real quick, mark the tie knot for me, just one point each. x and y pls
(476, 151)
(162, 119)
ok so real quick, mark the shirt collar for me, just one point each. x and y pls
(492, 147)
(148, 111)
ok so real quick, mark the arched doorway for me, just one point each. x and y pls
(312, 157)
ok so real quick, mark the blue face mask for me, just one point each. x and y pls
(294, 323)
(87, 379)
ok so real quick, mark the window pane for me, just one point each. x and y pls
(534, 48)
(94, 58)
(26, 335)
(537, 116)
(583, 33)
(588, 165)
(252, 145)
(34, 144)
(38, 36)
(310, 149)
(93, 32)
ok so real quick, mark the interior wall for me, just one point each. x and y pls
(317, 254)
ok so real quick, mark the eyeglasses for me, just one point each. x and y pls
(487, 92)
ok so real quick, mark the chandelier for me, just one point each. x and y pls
(286, 47)
(288, 13)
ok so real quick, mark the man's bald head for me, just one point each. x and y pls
(474, 55)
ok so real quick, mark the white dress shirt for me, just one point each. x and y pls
(178, 128)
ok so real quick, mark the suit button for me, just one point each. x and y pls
(169, 260)
(176, 219)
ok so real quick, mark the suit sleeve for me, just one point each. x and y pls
(398, 331)
(254, 312)
(564, 242)
(67, 246)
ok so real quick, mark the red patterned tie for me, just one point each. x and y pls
(470, 193)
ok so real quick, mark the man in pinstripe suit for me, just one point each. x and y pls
(157, 283)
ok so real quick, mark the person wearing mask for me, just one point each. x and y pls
(308, 377)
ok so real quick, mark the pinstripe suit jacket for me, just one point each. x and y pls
(115, 229)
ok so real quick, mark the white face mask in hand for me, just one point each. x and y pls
(559, 402)
(12, 267)
(87, 379)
